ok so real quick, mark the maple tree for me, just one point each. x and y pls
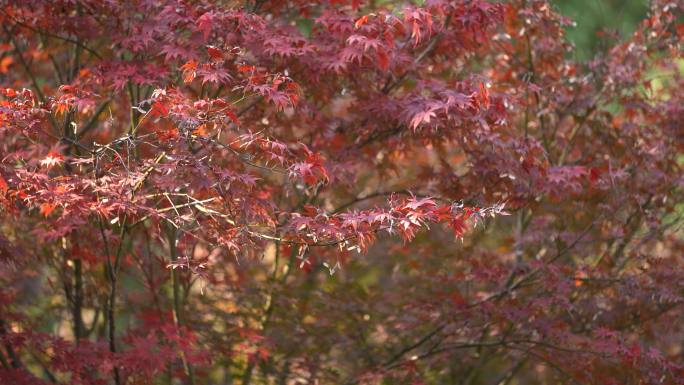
(337, 192)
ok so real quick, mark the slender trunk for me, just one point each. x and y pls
(177, 305)
(79, 329)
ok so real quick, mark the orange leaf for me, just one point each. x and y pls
(9, 92)
(169, 134)
(189, 71)
(361, 21)
(190, 65)
(61, 108)
(579, 278)
(484, 95)
(246, 68)
(201, 130)
(47, 208)
(3, 185)
(5, 63)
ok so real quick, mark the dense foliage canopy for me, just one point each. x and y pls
(337, 192)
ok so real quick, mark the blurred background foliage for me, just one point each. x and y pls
(598, 23)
